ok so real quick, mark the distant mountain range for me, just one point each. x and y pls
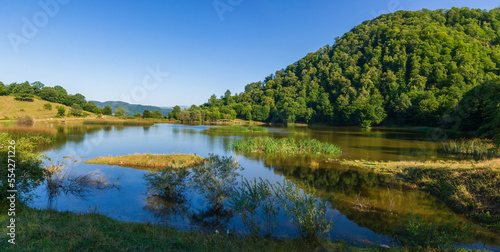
(131, 109)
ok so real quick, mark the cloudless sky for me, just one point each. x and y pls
(102, 49)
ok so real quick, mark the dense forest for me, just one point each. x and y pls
(408, 67)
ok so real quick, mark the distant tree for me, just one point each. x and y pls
(47, 106)
(120, 111)
(175, 113)
(157, 114)
(49, 94)
(147, 114)
(137, 115)
(24, 92)
(228, 100)
(37, 87)
(79, 99)
(76, 110)
(2, 88)
(107, 110)
(61, 111)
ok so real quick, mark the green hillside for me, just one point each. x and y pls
(408, 67)
(131, 109)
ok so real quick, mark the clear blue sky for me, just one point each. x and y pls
(101, 49)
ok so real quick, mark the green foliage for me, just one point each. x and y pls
(418, 235)
(28, 165)
(306, 212)
(284, 146)
(107, 110)
(76, 110)
(47, 106)
(120, 111)
(407, 67)
(237, 128)
(2, 88)
(258, 203)
(61, 111)
(24, 92)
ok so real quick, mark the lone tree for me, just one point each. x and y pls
(107, 110)
(24, 92)
(60, 111)
(120, 111)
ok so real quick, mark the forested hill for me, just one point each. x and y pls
(131, 109)
(410, 67)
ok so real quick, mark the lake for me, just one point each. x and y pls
(367, 207)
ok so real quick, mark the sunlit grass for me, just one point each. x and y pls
(237, 128)
(476, 148)
(284, 146)
(149, 160)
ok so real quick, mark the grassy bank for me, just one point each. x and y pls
(289, 146)
(237, 129)
(46, 230)
(149, 160)
(119, 122)
(475, 148)
(33, 135)
(471, 188)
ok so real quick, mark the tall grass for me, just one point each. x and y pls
(237, 128)
(33, 135)
(284, 146)
(476, 148)
(28, 121)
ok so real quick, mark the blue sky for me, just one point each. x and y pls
(103, 49)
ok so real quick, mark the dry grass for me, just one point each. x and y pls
(14, 109)
(155, 161)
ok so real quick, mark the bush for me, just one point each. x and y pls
(169, 183)
(76, 110)
(28, 121)
(47, 106)
(61, 111)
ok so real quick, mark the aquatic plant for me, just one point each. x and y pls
(476, 148)
(284, 146)
(306, 212)
(258, 203)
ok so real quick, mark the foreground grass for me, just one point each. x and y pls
(119, 122)
(471, 188)
(33, 135)
(284, 146)
(476, 148)
(156, 161)
(47, 230)
(237, 128)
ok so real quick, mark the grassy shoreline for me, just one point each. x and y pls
(44, 230)
(467, 187)
(289, 146)
(154, 161)
(237, 129)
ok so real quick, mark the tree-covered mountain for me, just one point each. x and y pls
(131, 109)
(407, 67)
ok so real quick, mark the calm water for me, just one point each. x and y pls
(366, 207)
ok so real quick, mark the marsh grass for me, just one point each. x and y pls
(468, 187)
(284, 146)
(475, 148)
(152, 161)
(237, 129)
(119, 122)
(415, 234)
(33, 135)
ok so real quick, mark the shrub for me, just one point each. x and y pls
(28, 121)
(306, 212)
(47, 106)
(419, 235)
(258, 203)
(76, 110)
(60, 111)
(169, 183)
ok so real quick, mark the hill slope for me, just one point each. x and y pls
(131, 109)
(13, 109)
(410, 67)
